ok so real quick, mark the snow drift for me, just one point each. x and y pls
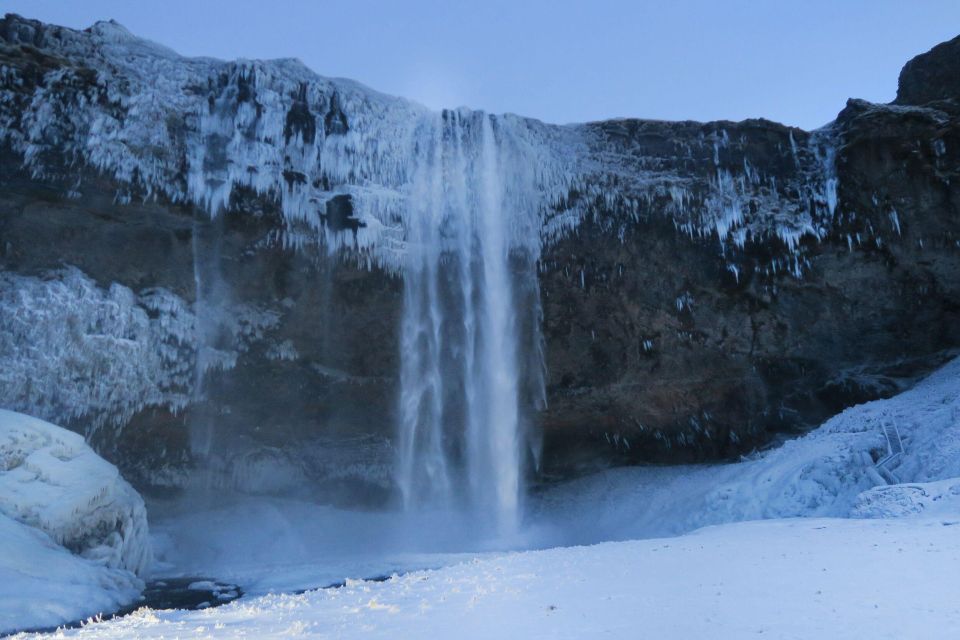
(821, 474)
(941, 498)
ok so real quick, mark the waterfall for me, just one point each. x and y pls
(213, 340)
(467, 330)
(201, 427)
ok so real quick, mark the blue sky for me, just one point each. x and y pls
(564, 61)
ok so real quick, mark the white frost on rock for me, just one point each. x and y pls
(71, 350)
(52, 481)
(197, 130)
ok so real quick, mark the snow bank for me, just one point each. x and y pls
(817, 578)
(51, 480)
(43, 585)
(902, 500)
(820, 474)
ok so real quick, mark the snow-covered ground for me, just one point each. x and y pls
(50, 479)
(799, 578)
(800, 541)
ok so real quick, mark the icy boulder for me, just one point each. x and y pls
(51, 480)
(44, 585)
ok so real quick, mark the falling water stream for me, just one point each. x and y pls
(462, 431)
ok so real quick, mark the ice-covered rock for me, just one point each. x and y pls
(107, 352)
(44, 585)
(52, 481)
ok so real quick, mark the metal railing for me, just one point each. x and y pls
(887, 463)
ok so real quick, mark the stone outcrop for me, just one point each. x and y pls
(671, 347)
(932, 77)
(705, 286)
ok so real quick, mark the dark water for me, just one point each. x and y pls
(176, 593)
(184, 593)
(168, 593)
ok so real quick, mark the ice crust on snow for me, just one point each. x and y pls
(940, 498)
(52, 481)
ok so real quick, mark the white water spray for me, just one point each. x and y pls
(462, 431)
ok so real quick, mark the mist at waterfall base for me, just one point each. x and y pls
(471, 380)
(287, 544)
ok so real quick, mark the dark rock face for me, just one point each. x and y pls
(329, 360)
(931, 77)
(658, 351)
(724, 283)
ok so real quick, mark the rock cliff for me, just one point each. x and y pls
(204, 256)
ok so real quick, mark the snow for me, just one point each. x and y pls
(43, 585)
(863, 561)
(811, 578)
(52, 481)
(936, 499)
(820, 474)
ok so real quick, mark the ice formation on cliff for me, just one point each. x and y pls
(73, 352)
(339, 157)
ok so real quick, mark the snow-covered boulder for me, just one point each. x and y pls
(51, 480)
(44, 585)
